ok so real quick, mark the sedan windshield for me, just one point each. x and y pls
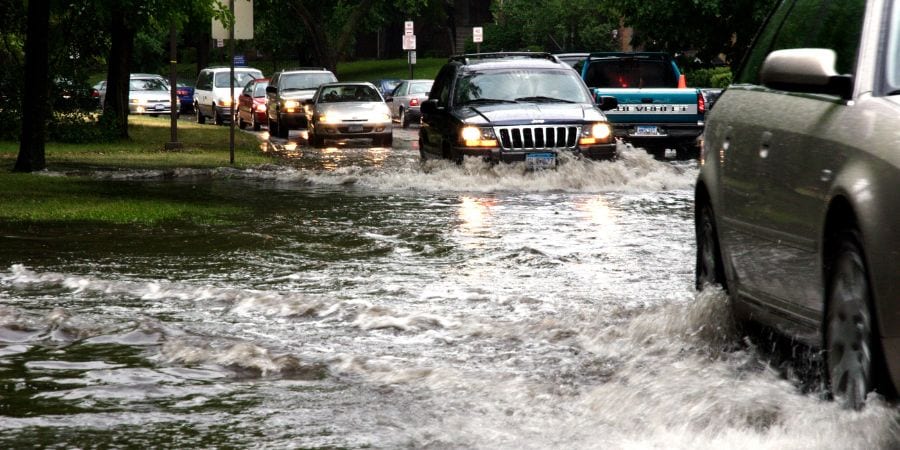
(521, 85)
(147, 85)
(349, 93)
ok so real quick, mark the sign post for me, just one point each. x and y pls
(409, 44)
(242, 28)
(477, 37)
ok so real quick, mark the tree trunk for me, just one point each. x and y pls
(36, 104)
(327, 54)
(119, 71)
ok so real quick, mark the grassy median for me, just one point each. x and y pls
(80, 196)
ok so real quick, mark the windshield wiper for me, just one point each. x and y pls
(488, 100)
(543, 99)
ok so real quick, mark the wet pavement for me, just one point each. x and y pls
(365, 299)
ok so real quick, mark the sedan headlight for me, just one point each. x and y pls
(135, 101)
(478, 137)
(329, 118)
(595, 133)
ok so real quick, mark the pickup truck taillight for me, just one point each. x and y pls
(701, 103)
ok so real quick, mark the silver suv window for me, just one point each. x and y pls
(304, 81)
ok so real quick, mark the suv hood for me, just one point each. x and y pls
(529, 113)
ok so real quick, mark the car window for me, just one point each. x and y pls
(240, 78)
(349, 93)
(302, 81)
(520, 85)
(441, 89)
(248, 89)
(400, 89)
(147, 85)
(419, 88)
(892, 63)
(832, 24)
(631, 73)
(260, 89)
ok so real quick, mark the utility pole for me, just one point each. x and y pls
(173, 143)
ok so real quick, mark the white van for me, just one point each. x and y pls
(211, 94)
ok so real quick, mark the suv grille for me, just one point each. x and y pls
(520, 138)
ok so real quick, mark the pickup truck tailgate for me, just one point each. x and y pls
(653, 105)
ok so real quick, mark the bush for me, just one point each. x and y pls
(717, 77)
(79, 127)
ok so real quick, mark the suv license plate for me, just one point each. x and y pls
(540, 161)
(647, 130)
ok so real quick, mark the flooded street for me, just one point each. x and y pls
(363, 299)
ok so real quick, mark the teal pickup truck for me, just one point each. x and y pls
(656, 111)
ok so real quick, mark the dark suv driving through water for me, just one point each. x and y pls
(509, 107)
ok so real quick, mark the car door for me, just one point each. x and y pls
(780, 148)
(397, 99)
(437, 124)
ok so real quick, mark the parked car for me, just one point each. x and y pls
(406, 99)
(149, 96)
(212, 93)
(285, 94)
(100, 87)
(348, 110)
(513, 107)
(98, 92)
(185, 92)
(797, 212)
(386, 86)
(252, 104)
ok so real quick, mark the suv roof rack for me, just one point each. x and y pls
(642, 55)
(302, 68)
(467, 58)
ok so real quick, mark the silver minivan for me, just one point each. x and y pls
(797, 205)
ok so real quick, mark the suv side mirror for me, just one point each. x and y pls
(271, 89)
(809, 70)
(429, 106)
(607, 102)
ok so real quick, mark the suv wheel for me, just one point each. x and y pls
(201, 119)
(218, 118)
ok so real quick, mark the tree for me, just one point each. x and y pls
(552, 25)
(710, 27)
(35, 108)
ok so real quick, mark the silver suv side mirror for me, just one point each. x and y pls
(810, 70)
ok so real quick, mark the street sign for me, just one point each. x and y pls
(412, 57)
(409, 42)
(239, 60)
(477, 34)
(243, 21)
(408, 27)
(220, 43)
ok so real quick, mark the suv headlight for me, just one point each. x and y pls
(478, 137)
(291, 105)
(595, 133)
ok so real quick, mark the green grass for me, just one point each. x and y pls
(371, 70)
(41, 198)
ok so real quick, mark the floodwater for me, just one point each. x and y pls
(366, 300)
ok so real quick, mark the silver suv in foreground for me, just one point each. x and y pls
(797, 205)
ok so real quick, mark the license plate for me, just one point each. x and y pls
(159, 107)
(647, 130)
(355, 128)
(540, 161)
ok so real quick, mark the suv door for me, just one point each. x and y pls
(437, 124)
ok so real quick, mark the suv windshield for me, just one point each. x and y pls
(240, 78)
(630, 73)
(520, 85)
(301, 81)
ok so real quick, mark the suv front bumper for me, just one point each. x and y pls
(496, 155)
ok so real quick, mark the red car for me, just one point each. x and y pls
(252, 104)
